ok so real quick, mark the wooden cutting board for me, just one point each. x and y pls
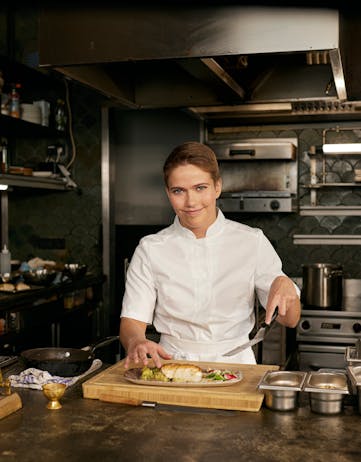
(110, 385)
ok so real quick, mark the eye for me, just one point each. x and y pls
(176, 191)
(201, 187)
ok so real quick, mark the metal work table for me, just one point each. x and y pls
(86, 429)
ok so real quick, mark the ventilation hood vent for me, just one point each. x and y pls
(218, 61)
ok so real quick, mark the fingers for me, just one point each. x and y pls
(141, 354)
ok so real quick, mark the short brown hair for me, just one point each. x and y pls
(194, 153)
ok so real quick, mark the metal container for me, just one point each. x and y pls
(354, 373)
(281, 389)
(322, 286)
(326, 391)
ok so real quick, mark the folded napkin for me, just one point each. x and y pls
(36, 378)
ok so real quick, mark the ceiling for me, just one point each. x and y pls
(219, 62)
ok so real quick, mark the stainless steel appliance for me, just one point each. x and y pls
(323, 337)
(259, 175)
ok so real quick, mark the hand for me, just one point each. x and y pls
(283, 294)
(141, 350)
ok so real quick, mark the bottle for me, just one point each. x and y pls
(60, 116)
(15, 101)
(4, 157)
(5, 261)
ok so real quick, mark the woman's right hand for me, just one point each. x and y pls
(140, 350)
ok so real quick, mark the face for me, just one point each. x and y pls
(192, 194)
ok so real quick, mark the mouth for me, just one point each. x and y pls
(193, 213)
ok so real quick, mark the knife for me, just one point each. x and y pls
(260, 335)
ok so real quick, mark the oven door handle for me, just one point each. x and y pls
(313, 348)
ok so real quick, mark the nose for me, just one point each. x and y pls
(190, 198)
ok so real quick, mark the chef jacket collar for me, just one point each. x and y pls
(213, 229)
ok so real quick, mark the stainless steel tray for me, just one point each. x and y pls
(282, 380)
(326, 382)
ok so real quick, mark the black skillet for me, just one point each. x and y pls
(64, 362)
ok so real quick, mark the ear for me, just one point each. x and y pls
(218, 187)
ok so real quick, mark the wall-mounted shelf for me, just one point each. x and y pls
(24, 181)
(326, 239)
(11, 126)
(331, 185)
(331, 210)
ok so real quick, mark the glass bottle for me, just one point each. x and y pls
(60, 115)
(15, 100)
(4, 156)
(5, 261)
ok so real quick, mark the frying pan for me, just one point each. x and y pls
(64, 362)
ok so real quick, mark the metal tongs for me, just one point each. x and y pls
(259, 337)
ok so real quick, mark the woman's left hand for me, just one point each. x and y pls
(284, 295)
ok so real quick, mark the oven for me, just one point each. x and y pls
(258, 175)
(323, 336)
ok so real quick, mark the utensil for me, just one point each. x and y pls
(53, 392)
(260, 335)
(64, 362)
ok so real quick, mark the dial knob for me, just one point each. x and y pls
(305, 325)
(275, 205)
(357, 327)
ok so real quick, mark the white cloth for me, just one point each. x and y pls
(36, 378)
(201, 290)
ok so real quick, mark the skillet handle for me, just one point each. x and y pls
(102, 342)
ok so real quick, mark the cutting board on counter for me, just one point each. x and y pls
(110, 385)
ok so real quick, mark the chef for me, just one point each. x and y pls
(196, 280)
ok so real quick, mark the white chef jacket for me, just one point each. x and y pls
(199, 293)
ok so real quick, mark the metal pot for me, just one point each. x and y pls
(322, 285)
(64, 362)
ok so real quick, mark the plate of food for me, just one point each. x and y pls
(182, 375)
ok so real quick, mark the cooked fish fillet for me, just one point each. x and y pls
(182, 372)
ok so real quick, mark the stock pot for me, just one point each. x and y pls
(322, 285)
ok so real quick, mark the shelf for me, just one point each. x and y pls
(24, 181)
(330, 210)
(326, 239)
(11, 126)
(331, 185)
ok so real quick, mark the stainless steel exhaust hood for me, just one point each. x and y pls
(213, 59)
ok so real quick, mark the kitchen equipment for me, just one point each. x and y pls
(74, 271)
(282, 388)
(323, 337)
(39, 276)
(259, 336)
(354, 373)
(110, 385)
(258, 175)
(322, 285)
(64, 362)
(326, 391)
